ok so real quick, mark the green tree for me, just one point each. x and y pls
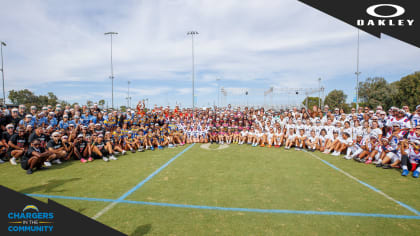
(312, 101)
(336, 98)
(21, 96)
(408, 91)
(101, 103)
(89, 103)
(377, 91)
(123, 108)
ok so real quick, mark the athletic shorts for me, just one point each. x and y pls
(24, 165)
(394, 157)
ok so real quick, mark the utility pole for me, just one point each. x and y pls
(128, 95)
(192, 33)
(2, 70)
(112, 69)
(319, 94)
(357, 72)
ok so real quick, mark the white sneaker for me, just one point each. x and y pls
(47, 163)
(116, 153)
(113, 158)
(105, 159)
(1, 161)
(56, 161)
(123, 152)
(13, 161)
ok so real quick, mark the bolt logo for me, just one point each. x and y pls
(30, 220)
(30, 207)
(385, 21)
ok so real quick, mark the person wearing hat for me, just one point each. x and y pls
(82, 149)
(130, 142)
(13, 118)
(64, 123)
(17, 146)
(410, 157)
(55, 146)
(390, 154)
(26, 121)
(355, 148)
(76, 120)
(415, 117)
(6, 135)
(370, 150)
(111, 146)
(34, 157)
(51, 120)
(98, 149)
(68, 147)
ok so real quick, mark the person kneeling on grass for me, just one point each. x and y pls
(82, 149)
(343, 142)
(356, 148)
(99, 150)
(34, 157)
(17, 146)
(410, 157)
(55, 146)
(300, 139)
(312, 141)
(290, 139)
(370, 150)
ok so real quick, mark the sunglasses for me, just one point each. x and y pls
(10, 128)
(37, 144)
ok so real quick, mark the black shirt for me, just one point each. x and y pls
(81, 145)
(99, 145)
(6, 136)
(54, 145)
(28, 153)
(42, 138)
(17, 140)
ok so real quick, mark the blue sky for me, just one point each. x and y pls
(59, 46)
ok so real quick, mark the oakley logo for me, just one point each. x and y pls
(385, 21)
(372, 10)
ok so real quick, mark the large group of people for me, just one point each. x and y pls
(42, 136)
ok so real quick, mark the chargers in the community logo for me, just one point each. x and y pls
(392, 18)
(30, 219)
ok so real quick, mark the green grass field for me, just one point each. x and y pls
(244, 177)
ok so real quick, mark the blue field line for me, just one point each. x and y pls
(153, 174)
(371, 187)
(273, 211)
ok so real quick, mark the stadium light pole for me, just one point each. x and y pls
(319, 92)
(112, 69)
(2, 70)
(357, 72)
(128, 95)
(218, 92)
(192, 33)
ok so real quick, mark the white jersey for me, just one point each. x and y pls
(376, 132)
(323, 139)
(415, 120)
(414, 155)
(312, 139)
(412, 136)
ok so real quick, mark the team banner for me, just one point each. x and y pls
(396, 18)
(23, 214)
